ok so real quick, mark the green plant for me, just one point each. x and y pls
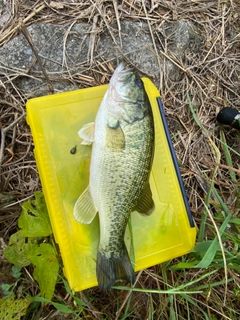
(30, 245)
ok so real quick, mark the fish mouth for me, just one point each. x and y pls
(123, 72)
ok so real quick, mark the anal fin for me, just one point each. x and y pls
(84, 210)
(145, 204)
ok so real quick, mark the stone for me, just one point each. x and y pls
(65, 52)
(183, 38)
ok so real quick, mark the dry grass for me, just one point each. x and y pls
(210, 78)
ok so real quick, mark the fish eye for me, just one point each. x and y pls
(139, 83)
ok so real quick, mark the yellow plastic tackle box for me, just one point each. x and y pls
(167, 233)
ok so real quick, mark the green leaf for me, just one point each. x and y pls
(202, 247)
(11, 308)
(7, 289)
(34, 220)
(183, 265)
(17, 250)
(16, 272)
(24, 248)
(228, 157)
(61, 307)
(46, 264)
(235, 221)
(214, 246)
(195, 117)
(66, 285)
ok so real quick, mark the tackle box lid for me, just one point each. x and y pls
(167, 233)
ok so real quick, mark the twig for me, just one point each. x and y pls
(35, 11)
(29, 39)
(174, 62)
(91, 308)
(127, 297)
(99, 8)
(153, 40)
(13, 135)
(3, 136)
(64, 62)
(221, 166)
(118, 21)
(92, 38)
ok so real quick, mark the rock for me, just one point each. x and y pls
(137, 47)
(5, 13)
(183, 38)
(64, 52)
(61, 51)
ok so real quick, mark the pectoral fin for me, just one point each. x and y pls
(87, 133)
(145, 204)
(84, 210)
(115, 139)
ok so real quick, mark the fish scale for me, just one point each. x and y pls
(122, 155)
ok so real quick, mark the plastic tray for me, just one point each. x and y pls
(168, 233)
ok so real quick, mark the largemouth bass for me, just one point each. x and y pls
(122, 155)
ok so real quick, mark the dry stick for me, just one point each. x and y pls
(92, 38)
(99, 8)
(222, 166)
(23, 157)
(153, 41)
(118, 21)
(8, 103)
(19, 95)
(97, 314)
(127, 296)
(35, 11)
(224, 14)
(13, 135)
(29, 39)
(3, 137)
(64, 62)
(210, 50)
(206, 304)
(176, 64)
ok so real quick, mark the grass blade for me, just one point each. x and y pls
(211, 252)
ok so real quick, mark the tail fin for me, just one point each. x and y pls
(109, 270)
